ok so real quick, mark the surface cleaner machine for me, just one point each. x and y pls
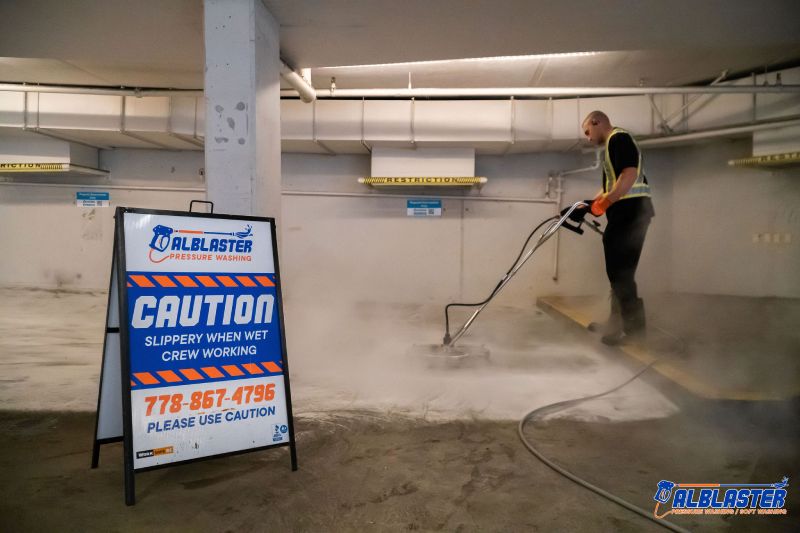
(449, 353)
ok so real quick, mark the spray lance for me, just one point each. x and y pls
(571, 218)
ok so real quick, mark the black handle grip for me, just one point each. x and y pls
(201, 202)
(576, 228)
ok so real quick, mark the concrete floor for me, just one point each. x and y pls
(384, 444)
(344, 358)
(367, 471)
(715, 347)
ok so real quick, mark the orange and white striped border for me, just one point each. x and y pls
(205, 373)
(210, 281)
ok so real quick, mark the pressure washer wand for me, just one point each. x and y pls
(549, 232)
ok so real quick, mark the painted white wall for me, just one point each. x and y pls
(717, 212)
(50, 242)
(367, 249)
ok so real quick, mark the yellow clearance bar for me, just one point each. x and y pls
(424, 181)
(34, 167)
(774, 160)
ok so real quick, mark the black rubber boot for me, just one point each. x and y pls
(634, 325)
(612, 326)
(635, 322)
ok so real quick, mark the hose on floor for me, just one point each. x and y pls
(559, 406)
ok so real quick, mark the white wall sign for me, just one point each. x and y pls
(424, 208)
(92, 199)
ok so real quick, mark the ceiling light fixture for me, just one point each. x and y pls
(470, 60)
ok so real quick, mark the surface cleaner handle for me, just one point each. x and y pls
(576, 227)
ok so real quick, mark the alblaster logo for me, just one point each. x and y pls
(721, 498)
(198, 245)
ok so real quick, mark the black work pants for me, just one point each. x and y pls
(623, 240)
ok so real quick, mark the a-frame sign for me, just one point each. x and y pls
(194, 358)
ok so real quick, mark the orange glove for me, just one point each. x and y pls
(600, 205)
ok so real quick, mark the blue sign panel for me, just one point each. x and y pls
(424, 208)
(92, 199)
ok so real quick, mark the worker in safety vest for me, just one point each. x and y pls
(625, 200)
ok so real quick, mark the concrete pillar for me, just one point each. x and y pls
(242, 91)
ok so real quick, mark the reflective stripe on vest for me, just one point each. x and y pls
(640, 186)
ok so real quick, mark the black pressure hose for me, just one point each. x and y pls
(559, 406)
(497, 287)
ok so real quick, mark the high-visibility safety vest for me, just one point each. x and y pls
(640, 186)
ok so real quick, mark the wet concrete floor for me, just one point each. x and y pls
(384, 446)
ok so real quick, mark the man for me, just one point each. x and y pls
(625, 199)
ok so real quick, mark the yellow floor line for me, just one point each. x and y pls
(666, 369)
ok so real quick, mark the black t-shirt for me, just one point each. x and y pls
(623, 154)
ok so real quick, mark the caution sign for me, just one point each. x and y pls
(201, 348)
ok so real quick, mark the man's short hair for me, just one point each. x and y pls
(597, 116)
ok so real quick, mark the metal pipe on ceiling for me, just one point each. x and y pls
(285, 193)
(666, 120)
(593, 166)
(95, 186)
(304, 89)
(719, 132)
(403, 196)
(308, 94)
(544, 92)
(102, 91)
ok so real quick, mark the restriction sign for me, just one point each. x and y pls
(194, 363)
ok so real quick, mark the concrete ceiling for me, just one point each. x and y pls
(103, 42)
(352, 32)
(628, 68)
(156, 43)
